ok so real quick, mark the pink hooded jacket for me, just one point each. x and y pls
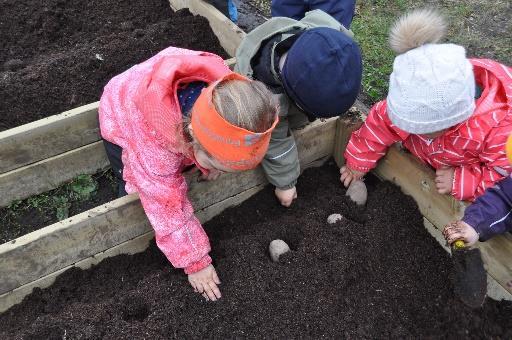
(140, 112)
(475, 147)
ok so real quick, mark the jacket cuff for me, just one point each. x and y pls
(476, 223)
(199, 265)
(289, 186)
(353, 166)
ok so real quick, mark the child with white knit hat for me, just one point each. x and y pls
(453, 113)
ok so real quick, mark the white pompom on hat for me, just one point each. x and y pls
(432, 86)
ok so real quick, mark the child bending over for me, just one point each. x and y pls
(178, 109)
(451, 112)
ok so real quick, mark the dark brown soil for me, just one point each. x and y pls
(249, 16)
(58, 54)
(39, 211)
(375, 274)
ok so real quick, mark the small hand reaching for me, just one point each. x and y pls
(348, 175)
(205, 282)
(286, 196)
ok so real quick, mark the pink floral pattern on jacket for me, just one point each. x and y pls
(139, 111)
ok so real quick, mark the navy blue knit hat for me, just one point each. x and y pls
(322, 72)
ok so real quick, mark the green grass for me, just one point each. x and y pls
(371, 29)
(480, 26)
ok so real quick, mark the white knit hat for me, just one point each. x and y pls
(432, 88)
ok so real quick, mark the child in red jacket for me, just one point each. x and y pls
(453, 113)
(178, 109)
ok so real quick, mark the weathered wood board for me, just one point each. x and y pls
(48, 137)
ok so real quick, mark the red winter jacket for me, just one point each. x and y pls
(139, 111)
(475, 148)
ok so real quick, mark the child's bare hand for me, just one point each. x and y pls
(349, 175)
(460, 230)
(286, 196)
(205, 282)
(444, 180)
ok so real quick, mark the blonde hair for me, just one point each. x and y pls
(246, 104)
(415, 28)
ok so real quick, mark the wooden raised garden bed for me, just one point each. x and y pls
(42, 155)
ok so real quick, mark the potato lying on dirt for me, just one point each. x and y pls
(357, 192)
(277, 248)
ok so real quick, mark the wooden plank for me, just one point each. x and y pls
(227, 32)
(133, 246)
(346, 125)
(59, 245)
(136, 245)
(417, 180)
(50, 249)
(344, 129)
(52, 172)
(47, 137)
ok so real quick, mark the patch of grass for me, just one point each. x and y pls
(371, 29)
(482, 27)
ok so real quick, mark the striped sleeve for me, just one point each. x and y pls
(471, 180)
(368, 144)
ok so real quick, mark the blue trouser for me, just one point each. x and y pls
(341, 10)
(227, 7)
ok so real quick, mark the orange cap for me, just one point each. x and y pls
(508, 149)
(234, 147)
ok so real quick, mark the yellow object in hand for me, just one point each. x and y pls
(508, 149)
(459, 244)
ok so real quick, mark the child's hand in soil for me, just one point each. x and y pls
(205, 282)
(286, 196)
(460, 230)
(349, 175)
(444, 180)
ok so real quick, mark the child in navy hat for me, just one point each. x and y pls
(341, 10)
(314, 67)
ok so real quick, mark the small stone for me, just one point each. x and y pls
(333, 218)
(277, 248)
(357, 192)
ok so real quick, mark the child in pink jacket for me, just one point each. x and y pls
(178, 109)
(451, 112)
